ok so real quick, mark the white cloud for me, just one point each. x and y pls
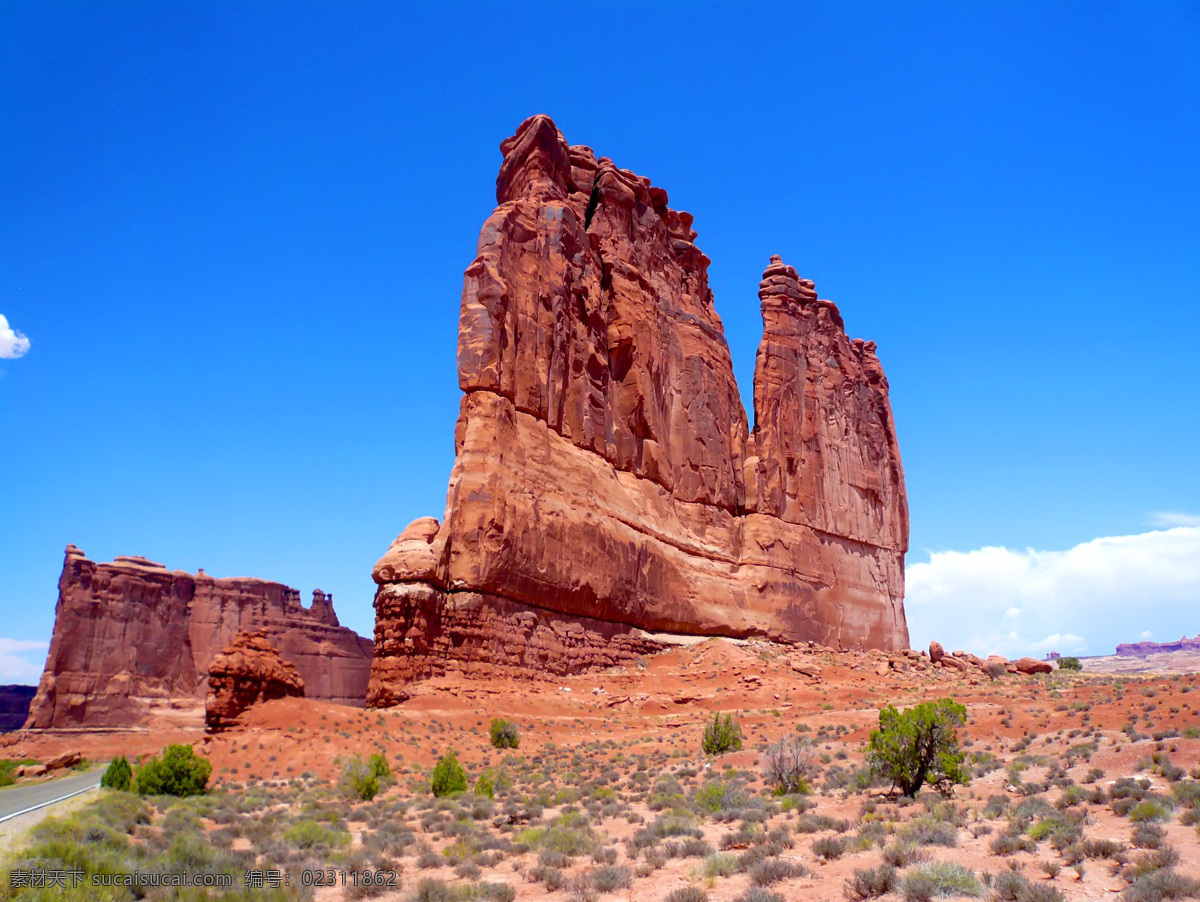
(1145, 634)
(15, 667)
(12, 343)
(1083, 600)
(1169, 519)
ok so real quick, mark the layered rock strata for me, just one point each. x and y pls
(133, 640)
(605, 474)
(248, 672)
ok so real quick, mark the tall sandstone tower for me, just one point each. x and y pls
(606, 485)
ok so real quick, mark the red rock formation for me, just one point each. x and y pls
(605, 472)
(1141, 649)
(247, 672)
(133, 640)
(1033, 665)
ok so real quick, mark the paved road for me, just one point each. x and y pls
(16, 799)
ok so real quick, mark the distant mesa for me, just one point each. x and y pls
(607, 486)
(1141, 649)
(14, 706)
(133, 643)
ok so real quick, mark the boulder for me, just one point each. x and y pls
(936, 652)
(249, 671)
(1033, 665)
(605, 474)
(66, 759)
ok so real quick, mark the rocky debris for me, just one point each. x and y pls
(807, 670)
(133, 640)
(66, 759)
(605, 474)
(1033, 665)
(31, 770)
(1141, 649)
(247, 672)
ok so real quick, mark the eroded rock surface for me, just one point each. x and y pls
(605, 473)
(133, 641)
(247, 672)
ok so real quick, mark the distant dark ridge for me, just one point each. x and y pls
(14, 706)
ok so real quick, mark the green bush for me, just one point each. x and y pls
(379, 765)
(919, 746)
(722, 734)
(448, 775)
(484, 787)
(119, 774)
(1069, 664)
(505, 734)
(178, 773)
(359, 779)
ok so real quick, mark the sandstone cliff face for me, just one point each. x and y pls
(247, 672)
(605, 472)
(133, 640)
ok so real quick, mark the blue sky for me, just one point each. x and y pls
(232, 236)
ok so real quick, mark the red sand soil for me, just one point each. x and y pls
(661, 705)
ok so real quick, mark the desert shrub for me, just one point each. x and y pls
(1070, 663)
(787, 764)
(687, 894)
(1147, 836)
(722, 734)
(996, 806)
(815, 823)
(758, 894)
(772, 870)
(358, 780)
(118, 775)
(828, 848)
(919, 746)
(995, 670)
(378, 763)
(924, 831)
(306, 834)
(902, 854)
(1149, 810)
(448, 775)
(720, 864)
(867, 883)
(1011, 841)
(939, 878)
(484, 786)
(505, 734)
(718, 796)
(550, 877)
(1159, 885)
(611, 878)
(177, 773)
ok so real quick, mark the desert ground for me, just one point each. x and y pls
(1083, 785)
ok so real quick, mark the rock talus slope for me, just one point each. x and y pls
(133, 640)
(606, 481)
